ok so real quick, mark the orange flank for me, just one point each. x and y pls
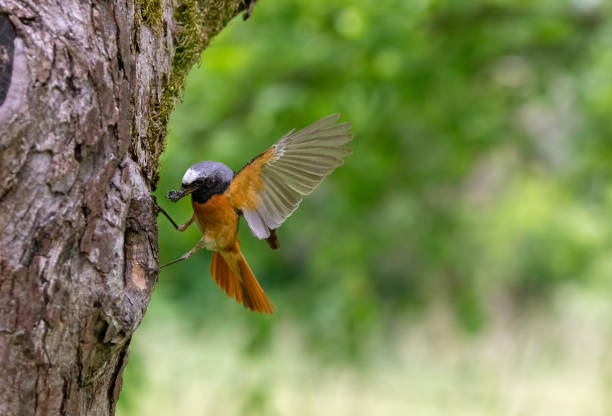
(233, 274)
(246, 185)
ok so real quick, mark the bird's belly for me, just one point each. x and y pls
(218, 222)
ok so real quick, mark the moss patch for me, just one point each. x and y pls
(198, 21)
(151, 12)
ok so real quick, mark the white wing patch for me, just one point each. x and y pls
(256, 224)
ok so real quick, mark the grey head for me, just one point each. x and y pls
(203, 180)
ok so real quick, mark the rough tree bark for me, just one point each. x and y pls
(86, 88)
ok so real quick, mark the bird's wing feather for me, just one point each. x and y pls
(271, 186)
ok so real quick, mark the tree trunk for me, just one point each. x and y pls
(86, 88)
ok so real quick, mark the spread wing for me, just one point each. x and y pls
(271, 186)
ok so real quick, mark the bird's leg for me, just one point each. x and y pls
(200, 244)
(181, 228)
(273, 240)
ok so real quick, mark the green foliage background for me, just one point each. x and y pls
(479, 183)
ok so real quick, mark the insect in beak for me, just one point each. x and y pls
(176, 195)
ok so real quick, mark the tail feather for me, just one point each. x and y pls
(233, 274)
(224, 277)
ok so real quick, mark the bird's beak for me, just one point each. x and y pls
(176, 195)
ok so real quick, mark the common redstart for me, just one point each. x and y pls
(265, 192)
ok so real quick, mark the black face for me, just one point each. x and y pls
(207, 187)
(203, 180)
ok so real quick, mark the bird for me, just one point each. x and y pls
(265, 192)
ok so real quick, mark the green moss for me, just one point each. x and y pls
(151, 12)
(198, 21)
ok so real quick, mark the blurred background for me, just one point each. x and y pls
(459, 263)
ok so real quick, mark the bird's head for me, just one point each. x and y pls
(203, 180)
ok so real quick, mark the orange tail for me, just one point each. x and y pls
(233, 274)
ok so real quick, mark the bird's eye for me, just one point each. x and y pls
(210, 181)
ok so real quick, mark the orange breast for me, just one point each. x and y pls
(217, 220)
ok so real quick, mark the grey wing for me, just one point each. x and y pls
(300, 161)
